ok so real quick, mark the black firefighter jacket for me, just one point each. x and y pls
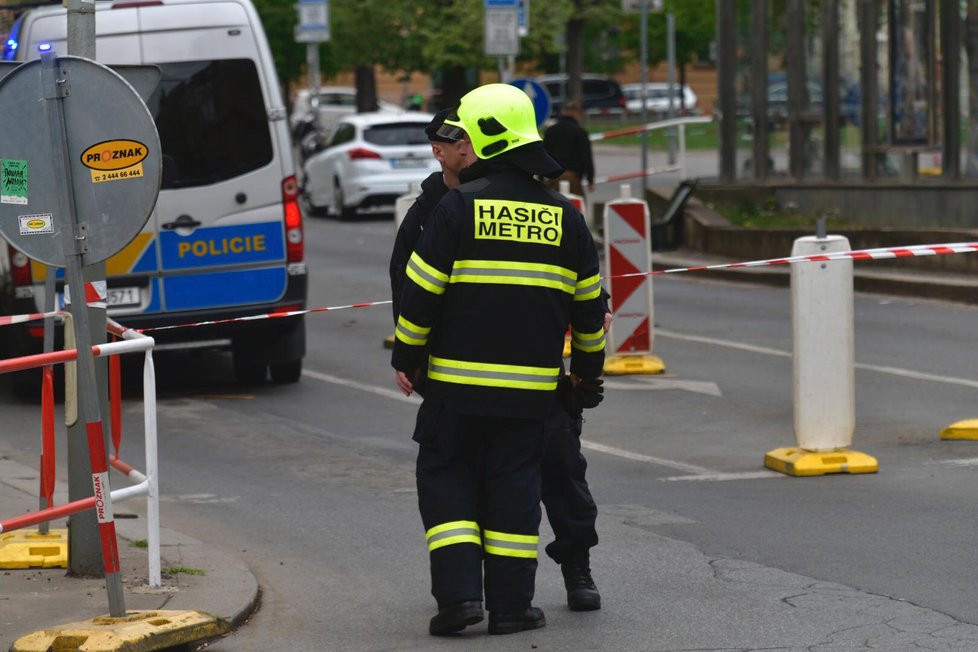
(503, 267)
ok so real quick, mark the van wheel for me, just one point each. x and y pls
(286, 372)
(251, 374)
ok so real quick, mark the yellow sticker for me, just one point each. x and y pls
(116, 175)
(114, 155)
(500, 219)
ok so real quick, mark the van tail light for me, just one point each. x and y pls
(359, 153)
(294, 240)
(622, 102)
(20, 267)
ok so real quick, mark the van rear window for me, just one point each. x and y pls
(212, 121)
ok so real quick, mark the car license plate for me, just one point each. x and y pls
(123, 297)
(409, 163)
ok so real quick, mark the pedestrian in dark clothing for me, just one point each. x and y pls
(569, 142)
(500, 243)
(453, 156)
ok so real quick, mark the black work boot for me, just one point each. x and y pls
(582, 594)
(510, 623)
(455, 617)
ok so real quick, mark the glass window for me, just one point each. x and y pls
(402, 133)
(212, 121)
(344, 134)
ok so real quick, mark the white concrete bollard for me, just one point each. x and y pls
(403, 203)
(822, 330)
(824, 366)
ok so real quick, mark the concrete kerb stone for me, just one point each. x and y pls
(37, 599)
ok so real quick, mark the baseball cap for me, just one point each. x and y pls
(434, 128)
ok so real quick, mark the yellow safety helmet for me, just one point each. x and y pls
(497, 118)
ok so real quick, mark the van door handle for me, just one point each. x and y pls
(182, 222)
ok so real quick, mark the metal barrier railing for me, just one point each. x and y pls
(146, 484)
(680, 165)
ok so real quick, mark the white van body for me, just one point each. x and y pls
(225, 239)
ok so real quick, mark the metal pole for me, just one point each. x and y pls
(869, 86)
(761, 149)
(671, 49)
(950, 69)
(830, 84)
(726, 89)
(75, 246)
(644, 35)
(83, 538)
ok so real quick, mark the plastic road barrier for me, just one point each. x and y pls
(628, 253)
(824, 367)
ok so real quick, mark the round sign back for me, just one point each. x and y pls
(113, 156)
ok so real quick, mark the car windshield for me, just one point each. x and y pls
(399, 133)
(212, 121)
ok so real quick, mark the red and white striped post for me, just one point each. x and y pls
(628, 257)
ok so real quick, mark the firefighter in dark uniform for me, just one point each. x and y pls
(570, 507)
(504, 265)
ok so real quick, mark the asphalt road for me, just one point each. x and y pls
(312, 484)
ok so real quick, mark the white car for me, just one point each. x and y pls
(657, 99)
(330, 104)
(369, 159)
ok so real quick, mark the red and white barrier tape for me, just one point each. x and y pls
(880, 253)
(20, 319)
(275, 315)
(661, 124)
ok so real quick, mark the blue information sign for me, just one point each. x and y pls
(539, 95)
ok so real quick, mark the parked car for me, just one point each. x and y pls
(369, 159)
(599, 94)
(657, 99)
(330, 104)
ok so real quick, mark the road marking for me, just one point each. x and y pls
(973, 461)
(723, 477)
(654, 382)
(893, 371)
(380, 391)
(638, 457)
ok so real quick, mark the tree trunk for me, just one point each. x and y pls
(971, 46)
(454, 85)
(682, 85)
(575, 57)
(366, 89)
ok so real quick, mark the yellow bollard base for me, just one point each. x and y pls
(31, 549)
(389, 342)
(641, 363)
(137, 630)
(801, 462)
(961, 430)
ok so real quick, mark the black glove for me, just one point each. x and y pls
(589, 392)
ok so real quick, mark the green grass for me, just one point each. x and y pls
(176, 570)
(139, 543)
(748, 215)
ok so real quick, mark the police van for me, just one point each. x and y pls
(225, 239)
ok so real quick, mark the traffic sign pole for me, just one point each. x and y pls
(75, 244)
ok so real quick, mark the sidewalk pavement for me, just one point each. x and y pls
(35, 599)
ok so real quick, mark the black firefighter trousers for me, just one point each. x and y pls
(479, 494)
(566, 495)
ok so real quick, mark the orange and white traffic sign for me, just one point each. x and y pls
(628, 256)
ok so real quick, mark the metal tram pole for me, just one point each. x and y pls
(644, 37)
(75, 245)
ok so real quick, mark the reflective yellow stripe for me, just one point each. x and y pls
(410, 333)
(589, 288)
(453, 532)
(508, 272)
(500, 219)
(588, 342)
(425, 275)
(492, 375)
(511, 545)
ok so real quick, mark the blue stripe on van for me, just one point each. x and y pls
(218, 289)
(222, 245)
